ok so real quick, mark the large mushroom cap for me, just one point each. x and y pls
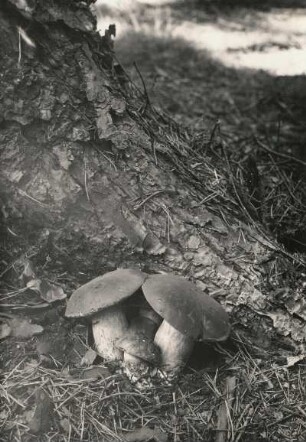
(103, 292)
(141, 346)
(186, 307)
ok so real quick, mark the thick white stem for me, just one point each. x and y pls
(175, 347)
(108, 326)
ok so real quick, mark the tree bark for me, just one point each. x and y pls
(95, 178)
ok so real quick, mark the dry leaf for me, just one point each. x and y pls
(152, 245)
(34, 284)
(89, 357)
(48, 292)
(51, 292)
(193, 242)
(292, 360)
(161, 72)
(65, 424)
(96, 373)
(25, 37)
(23, 328)
(146, 434)
(28, 271)
(4, 414)
(42, 419)
(5, 329)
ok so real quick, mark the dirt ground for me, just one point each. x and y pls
(238, 72)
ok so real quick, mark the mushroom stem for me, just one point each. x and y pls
(175, 347)
(108, 326)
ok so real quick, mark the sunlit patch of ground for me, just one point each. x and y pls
(273, 41)
(271, 47)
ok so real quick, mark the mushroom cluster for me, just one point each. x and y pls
(148, 320)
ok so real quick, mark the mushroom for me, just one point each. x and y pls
(188, 315)
(149, 316)
(102, 299)
(139, 350)
(146, 320)
(140, 335)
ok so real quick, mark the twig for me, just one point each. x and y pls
(85, 180)
(152, 195)
(224, 414)
(19, 46)
(148, 102)
(23, 193)
(279, 154)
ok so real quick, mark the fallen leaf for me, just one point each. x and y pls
(5, 330)
(42, 419)
(48, 292)
(28, 272)
(51, 292)
(34, 284)
(193, 242)
(118, 106)
(161, 72)
(145, 434)
(292, 360)
(4, 414)
(23, 328)
(89, 357)
(65, 424)
(31, 364)
(96, 373)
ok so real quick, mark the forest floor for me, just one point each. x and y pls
(236, 73)
(235, 69)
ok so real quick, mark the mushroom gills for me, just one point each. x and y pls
(175, 347)
(107, 327)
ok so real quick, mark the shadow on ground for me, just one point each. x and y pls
(198, 90)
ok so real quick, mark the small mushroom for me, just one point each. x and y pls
(139, 349)
(143, 326)
(146, 320)
(142, 331)
(102, 299)
(188, 313)
(150, 316)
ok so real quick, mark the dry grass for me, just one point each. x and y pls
(266, 404)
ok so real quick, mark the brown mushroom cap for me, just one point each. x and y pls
(184, 306)
(103, 292)
(141, 346)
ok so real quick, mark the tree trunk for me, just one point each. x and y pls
(94, 178)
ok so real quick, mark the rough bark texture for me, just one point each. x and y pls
(93, 177)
